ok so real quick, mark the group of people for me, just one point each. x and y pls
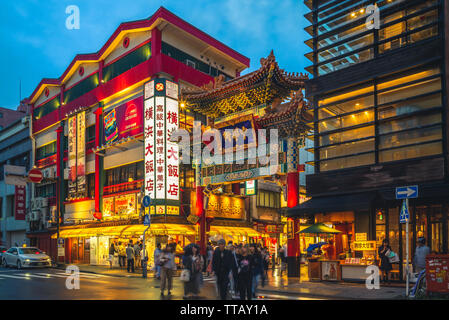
(237, 268)
(128, 255)
(419, 259)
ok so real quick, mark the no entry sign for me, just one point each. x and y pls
(35, 175)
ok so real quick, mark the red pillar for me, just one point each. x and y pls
(98, 114)
(293, 251)
(202, 221)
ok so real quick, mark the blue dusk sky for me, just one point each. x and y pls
(35, 43)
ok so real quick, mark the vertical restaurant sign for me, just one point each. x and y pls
(124, 121)
(72, 156)
(20, 207)
(161, 119)
(81, 154)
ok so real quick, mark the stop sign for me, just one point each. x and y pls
(35, 175)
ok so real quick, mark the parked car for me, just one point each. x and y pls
(25, 257)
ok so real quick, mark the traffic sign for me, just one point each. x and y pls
(146, 201)
(35, 175)
(404, 216)
(146, 220)
(407, 192)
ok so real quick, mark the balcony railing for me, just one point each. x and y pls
(123, 187)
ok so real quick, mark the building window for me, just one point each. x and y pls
(343, 39)
(46, 151)
(409, 121)
(268, 199)
(127, 173)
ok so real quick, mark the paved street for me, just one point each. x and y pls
(51, 284)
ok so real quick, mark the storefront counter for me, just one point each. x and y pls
(354, 272)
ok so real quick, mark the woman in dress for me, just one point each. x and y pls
(193, 261)
(385, 264)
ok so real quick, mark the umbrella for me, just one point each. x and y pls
(319, 228)
(315, 245)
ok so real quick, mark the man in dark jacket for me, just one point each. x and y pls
(222, 265)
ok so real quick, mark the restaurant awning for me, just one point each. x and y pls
(359, 201)
(239, 231)
(129, 230)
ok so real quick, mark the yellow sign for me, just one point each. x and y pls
(361, 236)
(193, 218)
(364, 245)
(226, 207)
(173, 210)
(290, 229)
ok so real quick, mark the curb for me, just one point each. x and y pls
(311, 295)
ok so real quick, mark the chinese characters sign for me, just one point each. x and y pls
(20, 208)
(225, 207)
(364, 245)
(161, 119)
(76, 153)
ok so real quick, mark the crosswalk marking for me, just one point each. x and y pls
(11, 276)
(30, 275)
(43, 275)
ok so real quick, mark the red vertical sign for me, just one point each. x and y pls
(20, 207)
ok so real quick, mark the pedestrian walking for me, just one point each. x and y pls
(121, 255)
(221, 265)
(385, 264)
(137, 254)
(283, 257)
(130, 257)
(256, 268)
(244, 278)
(111, 254)
(156, 255)
(209, 254)
(419, 260)
(266, 264)
(193, 261)
(168, 267)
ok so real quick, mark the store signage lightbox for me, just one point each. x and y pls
(161, 119)
(77, 155)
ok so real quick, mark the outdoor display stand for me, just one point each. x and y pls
(354, 269)
(314, 270)
(437, 273)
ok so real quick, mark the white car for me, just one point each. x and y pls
(25, 257)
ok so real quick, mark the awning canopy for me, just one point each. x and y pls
(239, 231)
(319, 228)
(129, 230)
(359, 201)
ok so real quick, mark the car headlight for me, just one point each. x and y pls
(27, 260)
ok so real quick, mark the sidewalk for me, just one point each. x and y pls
(292, 286)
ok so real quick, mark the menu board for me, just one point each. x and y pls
(437, 273)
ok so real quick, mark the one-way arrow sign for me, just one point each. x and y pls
(407, 192)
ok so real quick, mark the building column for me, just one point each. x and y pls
(202, 215)
(60, 196)
(99, 172)
(293, 252)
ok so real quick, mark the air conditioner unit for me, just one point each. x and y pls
(44, 202)
(35, 215)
